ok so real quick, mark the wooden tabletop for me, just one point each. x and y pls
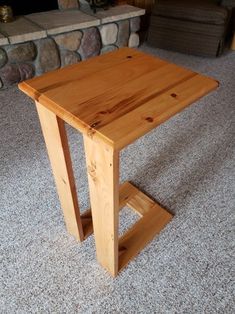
(119, 96)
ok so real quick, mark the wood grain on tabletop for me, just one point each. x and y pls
(119, 96)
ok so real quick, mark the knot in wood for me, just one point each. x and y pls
(91, 133)
(95, 124)
(149, 119)
(91, 169)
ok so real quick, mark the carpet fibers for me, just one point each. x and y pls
(187, 164)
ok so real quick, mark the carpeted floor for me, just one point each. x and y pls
(187, 164)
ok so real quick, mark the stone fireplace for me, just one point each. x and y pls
(40, 42)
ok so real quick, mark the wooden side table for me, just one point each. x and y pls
(112, 100)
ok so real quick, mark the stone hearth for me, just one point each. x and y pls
(40, 42)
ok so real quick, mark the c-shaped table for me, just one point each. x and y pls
(112, 99)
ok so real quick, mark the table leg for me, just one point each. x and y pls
(54, 133)
(107, 198)
(103, 177)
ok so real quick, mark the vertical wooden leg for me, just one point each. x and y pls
(58, 150)
(103, 177)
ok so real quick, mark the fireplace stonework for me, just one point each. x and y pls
(50, 40)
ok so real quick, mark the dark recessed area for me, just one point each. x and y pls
(21, 7)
